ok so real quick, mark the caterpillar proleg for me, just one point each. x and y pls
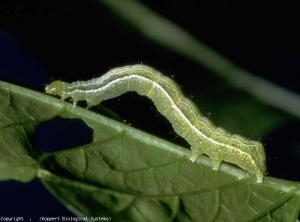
(186, 119)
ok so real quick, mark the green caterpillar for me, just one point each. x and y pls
(186, 119)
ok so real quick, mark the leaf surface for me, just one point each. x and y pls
(127, 174)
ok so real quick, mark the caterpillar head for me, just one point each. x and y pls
(54, 88)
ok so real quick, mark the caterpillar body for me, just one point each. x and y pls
(186, 119)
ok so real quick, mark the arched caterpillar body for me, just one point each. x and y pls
(186, 119)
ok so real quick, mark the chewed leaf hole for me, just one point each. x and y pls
(60, 133)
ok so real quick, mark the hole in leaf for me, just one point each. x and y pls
(60, 133)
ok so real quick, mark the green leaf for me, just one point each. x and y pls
(127, 174)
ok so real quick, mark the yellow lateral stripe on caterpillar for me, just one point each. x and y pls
(186, 119)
